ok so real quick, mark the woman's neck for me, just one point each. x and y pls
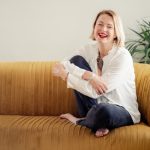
(104, 49)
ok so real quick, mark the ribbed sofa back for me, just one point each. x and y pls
(29, 88)
(142, 72)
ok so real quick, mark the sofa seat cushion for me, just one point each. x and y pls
(53, 133)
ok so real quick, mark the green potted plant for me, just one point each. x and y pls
(140, 47)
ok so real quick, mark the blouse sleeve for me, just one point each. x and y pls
(82, 86)
(73, 69)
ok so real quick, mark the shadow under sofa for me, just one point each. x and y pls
(31, 100)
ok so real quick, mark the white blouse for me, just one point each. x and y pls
(117, 73)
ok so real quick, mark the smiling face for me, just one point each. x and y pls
(104, 29)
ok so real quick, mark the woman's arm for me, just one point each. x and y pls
(89, 84)
(84, 52)
(73, 69)
(82, 86)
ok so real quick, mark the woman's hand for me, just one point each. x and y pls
(96, 82)
(59, 71)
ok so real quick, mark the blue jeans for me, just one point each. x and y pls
(103, 115)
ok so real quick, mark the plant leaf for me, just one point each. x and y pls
(142, 44)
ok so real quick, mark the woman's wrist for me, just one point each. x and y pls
(64, 75)
(91, 77)
(88, 76)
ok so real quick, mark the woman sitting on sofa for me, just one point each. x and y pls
(102, 76)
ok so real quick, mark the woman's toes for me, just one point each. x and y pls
(98, 134)
(105, 132)
(101, 132)
(64, 116)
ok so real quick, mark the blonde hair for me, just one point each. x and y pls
(120, 36)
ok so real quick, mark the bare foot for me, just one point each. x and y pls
(69, 117)
(101, 132)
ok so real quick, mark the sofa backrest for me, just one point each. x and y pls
(142, 74)
(29, 88)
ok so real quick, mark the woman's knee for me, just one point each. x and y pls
(77, 59)
(80, 62)
(98, 117)
(104, 110)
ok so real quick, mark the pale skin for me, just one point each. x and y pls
(104, 34)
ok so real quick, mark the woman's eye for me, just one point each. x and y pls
(100, 24)
(109, 27)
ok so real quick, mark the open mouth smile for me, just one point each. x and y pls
(102, 35)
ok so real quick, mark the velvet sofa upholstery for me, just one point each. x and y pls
(31, 100)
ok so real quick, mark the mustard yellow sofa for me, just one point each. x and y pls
(31, 100)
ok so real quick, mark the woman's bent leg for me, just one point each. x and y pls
(84, 103)
(106, 116)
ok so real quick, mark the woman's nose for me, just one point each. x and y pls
(104, 28)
